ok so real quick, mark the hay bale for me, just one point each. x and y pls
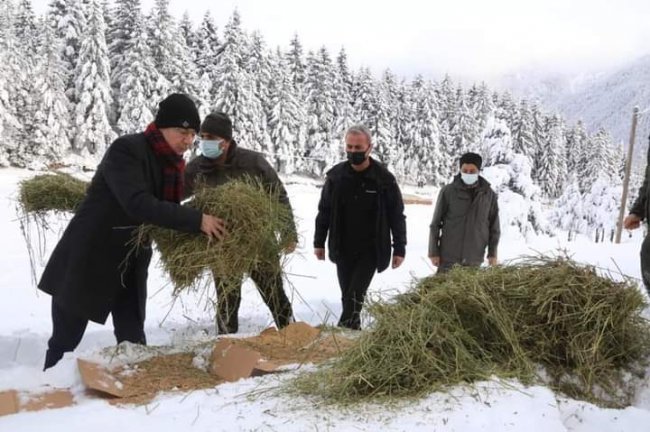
(258, 229)
(542, 321)
(51, 192)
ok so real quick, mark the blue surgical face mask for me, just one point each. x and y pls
(469, 179)
(211, 148)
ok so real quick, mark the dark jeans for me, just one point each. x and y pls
(645, 263)
(355, 272)
(269, 284)
(128, 321)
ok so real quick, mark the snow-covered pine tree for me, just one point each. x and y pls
(372, 111)
(523, 131)
(540, 140)
(186, 28)
(10, 128)
(481, 103)
(551, 162)
(287, 119)
(463, 127)
(322, 148)
(92, 129)
(69, 19)
(235, 91)
(425, 154)
(142, 86)
(50, 139)
(297, 66)
(206, 51)
(171, 55)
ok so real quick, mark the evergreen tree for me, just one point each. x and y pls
(51, 139)
(92, 90)
(551, 162)
(69, 20)
(286, 120)
(425, 151)
(171, 55)
(322, 148)
(523, 131)
(206, 50)
(10, 127)
(296, 61)
(141, 86)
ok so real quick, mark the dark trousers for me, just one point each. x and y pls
(355, 272)
(269, 284)
(128, 321)
(645, 262)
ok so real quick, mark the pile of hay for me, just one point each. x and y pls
(541, 321)
(51, 192)
(259, 228)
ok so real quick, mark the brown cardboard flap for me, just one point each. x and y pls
(8, 402)
(231, 362)
(97, 377)
(49, 400)
(265, 368)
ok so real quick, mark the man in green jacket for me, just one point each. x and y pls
(221, 161)
(466, 220)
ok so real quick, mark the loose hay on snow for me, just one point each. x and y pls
(258, 226)
(541, 321)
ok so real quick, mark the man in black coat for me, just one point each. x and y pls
(91, 273)
(641, 212)
(466, 220)
(221, 161)
(360, 208)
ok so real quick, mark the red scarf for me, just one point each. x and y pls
(173, 164)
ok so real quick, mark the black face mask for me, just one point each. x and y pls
(356, 158)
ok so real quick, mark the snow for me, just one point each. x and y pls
(259, 403)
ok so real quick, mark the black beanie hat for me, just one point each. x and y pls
(178, 110)
(471, 158)
(217, 124)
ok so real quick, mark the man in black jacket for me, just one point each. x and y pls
(466, 220)
(221, 161)
(360, 207)
(640, 211)
(91, 273)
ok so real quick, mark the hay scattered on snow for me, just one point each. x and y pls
(259, 228)
(541, 321)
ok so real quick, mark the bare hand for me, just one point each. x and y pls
(320, 253)
(290, 248)
(397, 261)
(213, 227)
(631, 222)
(435, 260)
(492, 261)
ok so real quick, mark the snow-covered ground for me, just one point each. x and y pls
(246, 405)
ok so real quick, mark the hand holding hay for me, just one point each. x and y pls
(257, 232)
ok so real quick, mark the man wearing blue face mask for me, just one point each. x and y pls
(466, 220)
(221, 161)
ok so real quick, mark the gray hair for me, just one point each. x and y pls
(359, 130)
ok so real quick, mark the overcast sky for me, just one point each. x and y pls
(477, 39)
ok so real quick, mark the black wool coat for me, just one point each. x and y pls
(88, 265)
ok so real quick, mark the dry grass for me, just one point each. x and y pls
(540, 321)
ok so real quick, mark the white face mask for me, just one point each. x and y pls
(469, 179)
